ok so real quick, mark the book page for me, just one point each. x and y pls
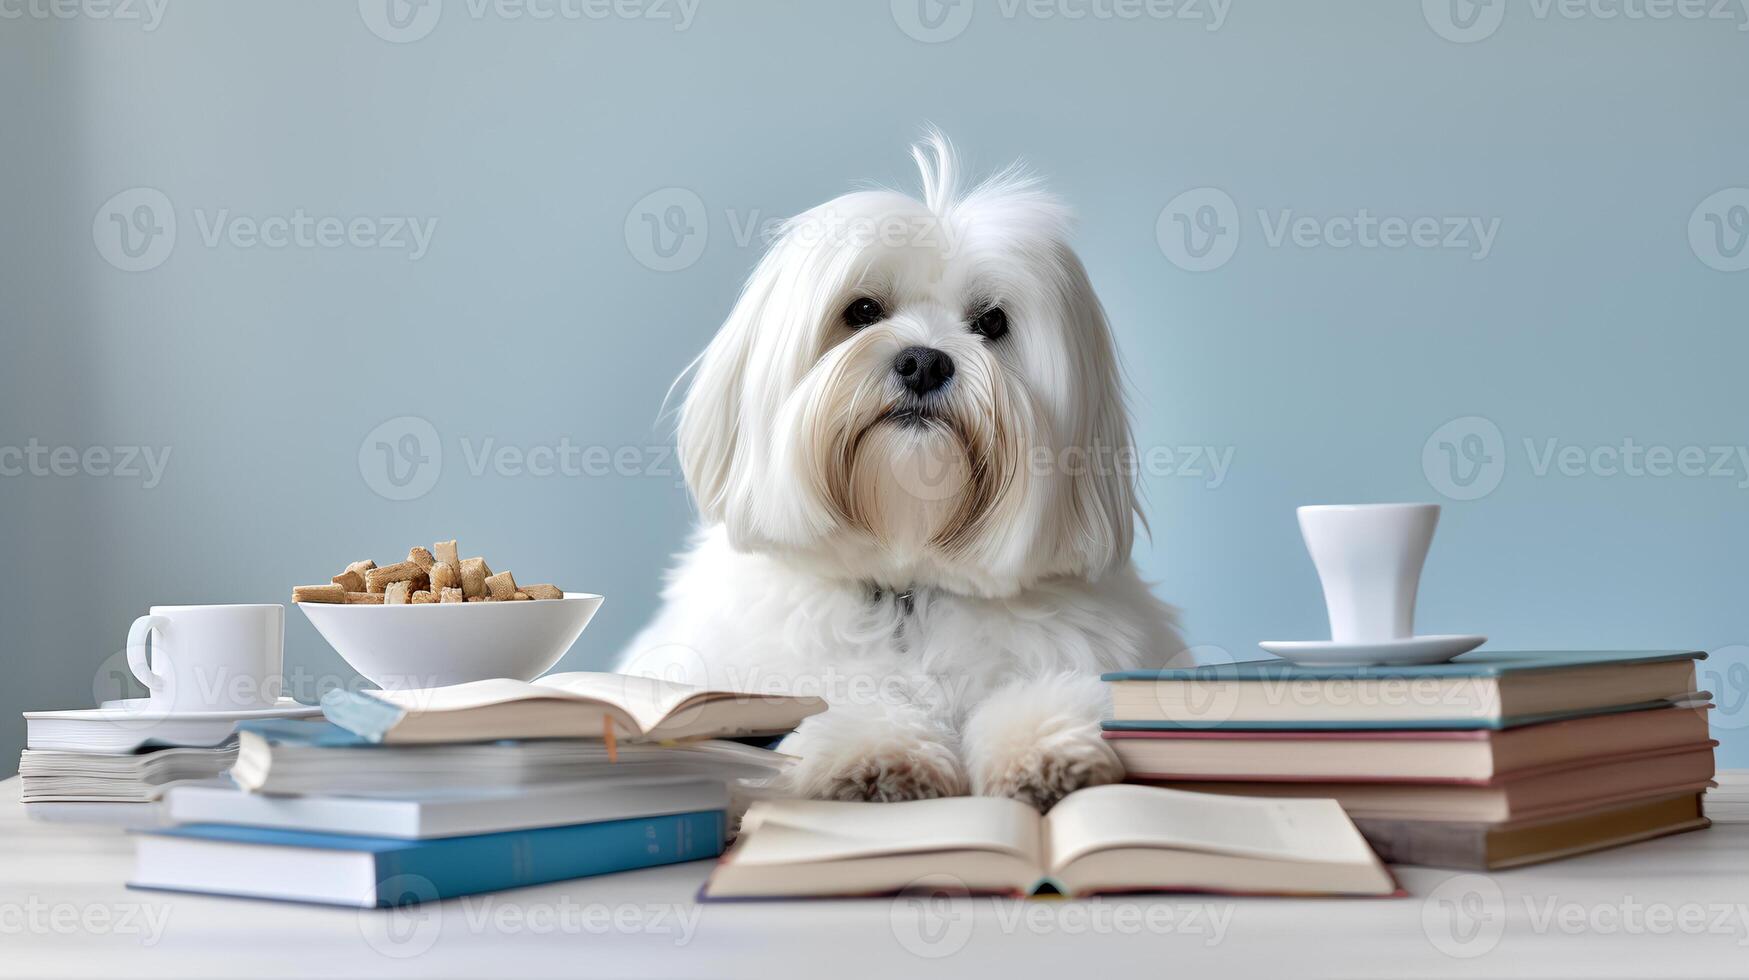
(646, 699)
(1123, 815)
(458, 697)
(799, 831)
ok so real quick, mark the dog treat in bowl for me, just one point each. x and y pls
(379, 579)
(474, 574)
(434, 576)
(319, 593)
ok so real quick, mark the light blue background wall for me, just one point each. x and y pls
(534, 316)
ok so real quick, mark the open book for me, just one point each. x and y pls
(579, 704)
(1120, 838)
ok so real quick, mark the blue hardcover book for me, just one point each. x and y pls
(340, 869)
(1485, 689)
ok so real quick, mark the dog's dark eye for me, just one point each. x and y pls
(863, 312)
(992, 324)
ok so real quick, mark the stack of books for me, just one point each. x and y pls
(112, 764)
(1494, 760)
(417, 795)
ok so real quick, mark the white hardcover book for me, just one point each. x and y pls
(449, 813)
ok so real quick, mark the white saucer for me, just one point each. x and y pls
(1414, 650)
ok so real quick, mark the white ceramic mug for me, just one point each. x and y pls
(1369, 559)
(210, 658)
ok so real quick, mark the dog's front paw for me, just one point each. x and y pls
(891, 776)
(1038, 741)
(883, 760)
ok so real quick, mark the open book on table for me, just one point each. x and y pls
(1121, 838)
(578, 704)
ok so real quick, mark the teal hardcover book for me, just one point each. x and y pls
(347, 869)
(1485, 689)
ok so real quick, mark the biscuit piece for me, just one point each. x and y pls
(419, 556)
(318, 593)
(397, 593)
(481, 598)
(543, 591)
(378, 579)
(444, 575)
(445, 551)
(501, 585)
(361, 566)
(451, 594)
(423, 597)
(474, 575)
(350, 580)
(522, 597)
(364, 598)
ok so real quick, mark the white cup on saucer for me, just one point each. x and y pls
(210, 658)
(1369, 559)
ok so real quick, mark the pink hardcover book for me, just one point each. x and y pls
(1421, 755)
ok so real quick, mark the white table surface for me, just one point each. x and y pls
(1676, 907)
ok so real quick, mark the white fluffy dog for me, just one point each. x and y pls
(909, 450)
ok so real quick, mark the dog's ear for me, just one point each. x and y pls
(711, 421)
(1099, 502)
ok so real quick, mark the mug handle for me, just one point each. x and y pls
(137, 650)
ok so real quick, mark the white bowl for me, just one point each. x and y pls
(434, 644)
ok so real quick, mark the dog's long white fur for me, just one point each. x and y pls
(1007, 517)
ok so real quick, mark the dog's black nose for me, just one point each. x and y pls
(923, 369)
